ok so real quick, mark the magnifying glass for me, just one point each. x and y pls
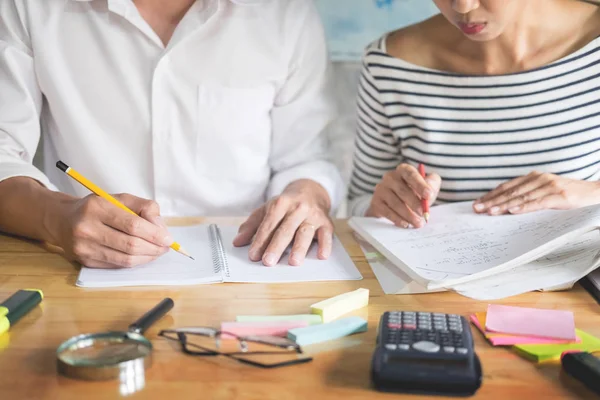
(110, 355)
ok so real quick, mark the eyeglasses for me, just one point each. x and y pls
(258, 351)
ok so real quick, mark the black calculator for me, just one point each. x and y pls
(422, 352)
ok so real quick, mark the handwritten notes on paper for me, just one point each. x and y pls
(458, 245)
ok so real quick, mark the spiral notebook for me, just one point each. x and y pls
(217, 260)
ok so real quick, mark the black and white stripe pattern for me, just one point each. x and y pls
(476, 131)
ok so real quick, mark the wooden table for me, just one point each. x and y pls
(339, 371)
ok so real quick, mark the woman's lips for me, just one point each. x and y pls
(471, 28)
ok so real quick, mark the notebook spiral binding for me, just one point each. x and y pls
(219, 257)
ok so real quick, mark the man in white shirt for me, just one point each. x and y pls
(208, 107)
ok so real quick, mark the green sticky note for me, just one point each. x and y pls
(547, 352)
(310, 318)
(330, 331)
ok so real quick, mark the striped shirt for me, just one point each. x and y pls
(476, 132)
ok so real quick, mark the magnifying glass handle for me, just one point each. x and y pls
(152, 316)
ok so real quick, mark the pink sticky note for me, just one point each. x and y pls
(523, 321)
(498, 339)
(275, 328)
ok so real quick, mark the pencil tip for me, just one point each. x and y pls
(192, 258)
(426, 216)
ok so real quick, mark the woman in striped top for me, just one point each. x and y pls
(499, 99)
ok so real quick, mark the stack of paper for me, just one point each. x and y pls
(486, 257)
(536, 334)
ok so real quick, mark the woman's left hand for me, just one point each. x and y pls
(538, 191)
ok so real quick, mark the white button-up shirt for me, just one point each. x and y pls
(223, 118)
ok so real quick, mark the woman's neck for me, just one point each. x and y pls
(541, 35)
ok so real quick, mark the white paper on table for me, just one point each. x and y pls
(459, 245)
(556, 271)
(391, 278)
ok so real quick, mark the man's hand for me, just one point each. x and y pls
(99, 235)
(538, 191)
(398, 196)
(297, 216)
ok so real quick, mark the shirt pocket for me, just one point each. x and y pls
(234, 132)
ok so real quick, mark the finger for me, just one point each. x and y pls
(435, 182)
(94, 255)
(480, 204)
(519, 194)
(513, 206)
(404, 194)
(396, 204)
(382, 210)
(248, 229)
(284, 235)
(127, 244)
(547, 190)
(274, 214)
(417, 183)
(134, 225)
(98, 264)
(543, 203)
(119, 259)
(302, 241)
(325, 241)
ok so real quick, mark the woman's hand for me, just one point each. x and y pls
(296, 217)
(538, 191)
(398, 196)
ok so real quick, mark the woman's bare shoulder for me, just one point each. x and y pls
(418, 43)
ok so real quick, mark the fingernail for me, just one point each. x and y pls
(324, 255)
(253, 254)
(295, 259)
(514, 209)
(159, 221)
(270, 259)
(495, 210)
(479, 207)
(168, 240)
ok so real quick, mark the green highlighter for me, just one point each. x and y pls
(17, 305)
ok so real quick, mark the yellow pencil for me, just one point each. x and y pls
(99, 192)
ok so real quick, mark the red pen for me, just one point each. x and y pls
(424, 202)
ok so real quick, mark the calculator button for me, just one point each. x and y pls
(448, 349)
(410, 326)
(426, 347)
(391, 346)
(462, 350)
(409, 313)
(394, 326)
(403, 347)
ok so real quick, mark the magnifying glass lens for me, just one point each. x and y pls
(103, 352)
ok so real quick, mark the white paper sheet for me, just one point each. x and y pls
(174, 269)
(459, 245)
(338, 267)
(391, 278)
(558, 270)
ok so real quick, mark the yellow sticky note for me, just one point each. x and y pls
(337, 306)
(547, 352)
